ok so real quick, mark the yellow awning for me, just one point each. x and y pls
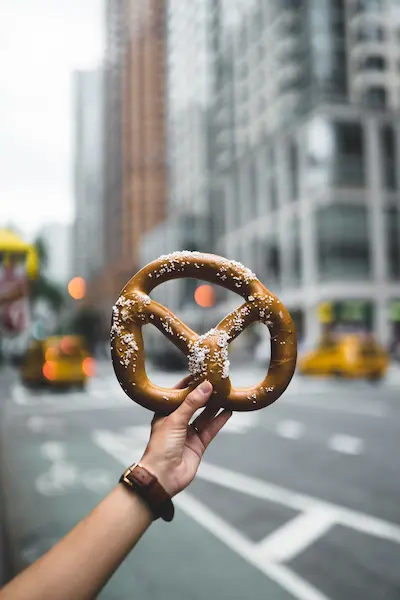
(11, 242)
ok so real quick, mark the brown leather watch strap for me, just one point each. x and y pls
(144, 483)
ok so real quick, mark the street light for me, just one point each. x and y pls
(77, 288)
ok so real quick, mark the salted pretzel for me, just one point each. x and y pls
(207, 354)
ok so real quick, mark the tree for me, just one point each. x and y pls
(44, 288)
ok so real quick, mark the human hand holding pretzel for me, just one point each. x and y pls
(207, 354)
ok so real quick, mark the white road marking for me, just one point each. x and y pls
(268, 491)
(346, 444)
(240, 423)
(57, 480)
(292, 430)
(18, 395)
(107, 397)
(54, 451)
(298, 587)
(39, 424)
(296, 535)
(302, 401)
(288, 580)
(119, 446)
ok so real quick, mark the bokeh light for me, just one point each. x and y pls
(205, 296)
(77, 288)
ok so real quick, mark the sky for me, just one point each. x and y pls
(42, 42)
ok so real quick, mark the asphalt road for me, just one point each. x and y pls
(299, 501)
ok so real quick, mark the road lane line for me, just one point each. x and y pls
(368, 411)
(19, 396)
(54, 451)
(346, 444)
(268, 491)
(291, 430)
(298, 587)
(295, 536)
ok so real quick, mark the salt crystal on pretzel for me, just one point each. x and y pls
(207, 354)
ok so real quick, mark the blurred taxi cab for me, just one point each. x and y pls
(351, 355)
(57, 361)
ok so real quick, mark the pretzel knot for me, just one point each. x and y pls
(207, 354)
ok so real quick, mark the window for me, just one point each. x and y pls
(271, 259)
(296, 265)
(393, 241)
(343, 242)
(271, 180)
(369, 5)
(375, 96)
(388, 157)
(348, 159)
(371, 32)
(373, 63)
(253, 191)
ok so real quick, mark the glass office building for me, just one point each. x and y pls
(296, 153)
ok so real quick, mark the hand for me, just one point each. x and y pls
(176, 448)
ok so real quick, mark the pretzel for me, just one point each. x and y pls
(207, 354)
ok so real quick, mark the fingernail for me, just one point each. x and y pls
(205, 387)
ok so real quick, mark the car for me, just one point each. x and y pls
(351, 355)
(61, 361)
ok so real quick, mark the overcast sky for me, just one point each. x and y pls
(42, 42)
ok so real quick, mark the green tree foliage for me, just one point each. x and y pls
(44, 288)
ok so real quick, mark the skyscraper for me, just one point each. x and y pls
(134, 128)
(301, 146)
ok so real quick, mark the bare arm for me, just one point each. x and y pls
(80, 564)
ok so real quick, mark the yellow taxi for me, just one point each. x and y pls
(349, 355)
(57, 361)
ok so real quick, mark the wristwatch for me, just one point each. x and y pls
(138, 479)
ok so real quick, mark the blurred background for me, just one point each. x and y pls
(266, 131)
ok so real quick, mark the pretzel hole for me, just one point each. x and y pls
(161, 355)
(253, 348)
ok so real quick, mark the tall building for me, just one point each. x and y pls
(88, 255)
(188, 96)
(134, 127)
(300, 147)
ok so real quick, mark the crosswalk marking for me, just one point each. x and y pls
(346, 444)
(278, 548)
(291, 430)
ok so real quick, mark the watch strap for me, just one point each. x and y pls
(138, 479)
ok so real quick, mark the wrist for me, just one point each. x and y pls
(143, 482)
(161, 471)
(133, 501)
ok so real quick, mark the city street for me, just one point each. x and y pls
(298, 501)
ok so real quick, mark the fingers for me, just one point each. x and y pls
(208, 433)
(183, 383)
(195, 400)
(203, 419)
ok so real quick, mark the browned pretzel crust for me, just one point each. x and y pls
(207, 354)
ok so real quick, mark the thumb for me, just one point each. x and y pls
(193, 401)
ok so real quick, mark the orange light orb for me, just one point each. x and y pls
(89, 366)
(77, 288)
(205, 296)
(49, 368)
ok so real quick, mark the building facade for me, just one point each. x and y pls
(88, 251)
(301, 150)
(134, 137)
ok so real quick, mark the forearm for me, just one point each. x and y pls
(81, 563)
